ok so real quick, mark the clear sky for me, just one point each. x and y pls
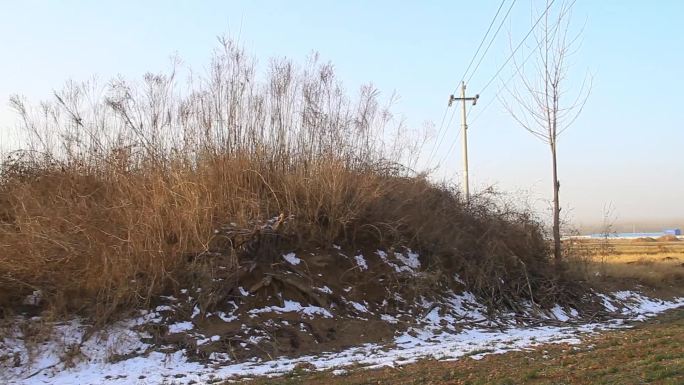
(626, 148)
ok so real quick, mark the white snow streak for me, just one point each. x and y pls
(292, 258)
(431, 340)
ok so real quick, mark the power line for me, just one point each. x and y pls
(483, 109)
(491, 41)
(441, 126)
(518, 47)
(441, 132)
(532, 52)
(453, 144)
(483, 40)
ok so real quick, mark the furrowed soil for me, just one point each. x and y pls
(649, 353)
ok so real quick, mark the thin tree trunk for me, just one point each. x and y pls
(556, 207)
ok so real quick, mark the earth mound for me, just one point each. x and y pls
(668, 238)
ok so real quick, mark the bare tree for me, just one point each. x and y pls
(541, 104)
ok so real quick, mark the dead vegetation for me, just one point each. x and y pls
(622, 264)
(128, 191)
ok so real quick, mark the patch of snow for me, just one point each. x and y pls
(324, 289)
(180, 327)
(361, 262)
(206, 340)
(195, 311)
(410, 260)
(388, 318)
(296, 307)
(359, 307)
(226, 318)
(559, 313)
(433, 317)
(607, 304)
(243, 292)
(157, 367)
(458, 279)
(292, 258)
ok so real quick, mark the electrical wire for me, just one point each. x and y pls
(483, 40)
(491, 41)
(522, 64)
(441, 132)
(546, 11)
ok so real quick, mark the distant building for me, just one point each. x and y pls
(675, 232)
(672, 231)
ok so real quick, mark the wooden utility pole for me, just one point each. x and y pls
(464, 125)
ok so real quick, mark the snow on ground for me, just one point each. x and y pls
(361, 262)
(409, 262)
(292, 258)
(440, 337)
(294, 306)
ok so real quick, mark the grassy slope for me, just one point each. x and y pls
(650, 353)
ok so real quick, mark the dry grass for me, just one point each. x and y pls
(657, 265)
(654, 270)
(124, 192)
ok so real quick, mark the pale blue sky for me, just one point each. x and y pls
(626, 148)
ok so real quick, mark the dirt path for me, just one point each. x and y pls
(650, 353)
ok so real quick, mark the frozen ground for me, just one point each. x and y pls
(120, 356)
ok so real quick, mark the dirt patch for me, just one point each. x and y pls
(303, 303)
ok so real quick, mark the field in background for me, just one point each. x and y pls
(656, 264)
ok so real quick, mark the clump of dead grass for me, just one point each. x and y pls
(127, 191)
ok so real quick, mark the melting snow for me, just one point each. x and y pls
(195, 311)
(419, 342)
(243, 292)
(324, 289)
(292, 258)
(559, 313)
(359, 307)
(361, 262)
(180, 327)
(410, 260)
(226, 318)
(294, 306)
